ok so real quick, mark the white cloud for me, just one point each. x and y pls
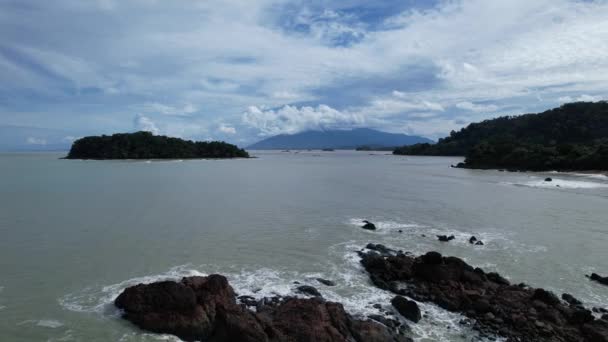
(477, 55)
(35, 141)
(581, 98)
(285, 95)
(69, 138)
(291, 119)
(227, 129)
(478, 108)
(159, 108)
(144, 123)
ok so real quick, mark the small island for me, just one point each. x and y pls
(573, 137)
(145, 145)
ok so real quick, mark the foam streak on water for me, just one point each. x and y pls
(353, 290)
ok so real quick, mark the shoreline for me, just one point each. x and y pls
(395, 272)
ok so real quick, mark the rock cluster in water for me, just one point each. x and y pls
(206, 309)
(517, 312)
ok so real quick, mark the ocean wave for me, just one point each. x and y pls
(353, 289)
(420, 238)
(100, 300)
(45, 323)
(560, 184)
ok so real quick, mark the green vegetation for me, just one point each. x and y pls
(571, 137)
(145, 145)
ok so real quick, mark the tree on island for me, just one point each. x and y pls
(571, 137)
(145, 145)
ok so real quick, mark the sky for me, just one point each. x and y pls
(240, 71)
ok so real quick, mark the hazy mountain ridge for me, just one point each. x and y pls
(338, 139)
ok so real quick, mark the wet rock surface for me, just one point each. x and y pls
(496, 307)
(368, 225)
(206, 309)
(598, 278)
(445, 238)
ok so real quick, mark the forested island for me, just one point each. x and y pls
(145, 145)
(571, 137)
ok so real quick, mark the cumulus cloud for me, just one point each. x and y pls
(35, 141)
(69, 138)
(277, 59)
(227, 129)
(478, 108)
(144, 123)
(159, 108)
(581, 98)
(292, 119)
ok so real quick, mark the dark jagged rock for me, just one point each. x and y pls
(308, 290)
(496, 307)
(548, 179)
(474, 241)
(445, 238)
(205, 309)
(568, 298)
(368, 225)
(326, 282)
(407, 308)
(598, 278)
(382, 249)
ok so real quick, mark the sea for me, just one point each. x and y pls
(74, 233)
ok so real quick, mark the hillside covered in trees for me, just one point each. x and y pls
(571, 137)
(145, 145)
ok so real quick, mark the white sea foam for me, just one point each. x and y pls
(46, 323)
(560, 184)
(353, 289)
(383, 226)
(137, 336)
(100, 300)
(418, 238)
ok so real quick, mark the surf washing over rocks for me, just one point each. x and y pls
(260, 287)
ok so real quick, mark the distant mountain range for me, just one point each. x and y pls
(338, 139)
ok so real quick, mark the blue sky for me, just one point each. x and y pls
(243, 70)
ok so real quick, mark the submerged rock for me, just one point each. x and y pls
(368, 225)
(205, 309)
(445, 238)
(518, 313)
(473, 240)
(326, 282)
(308, 290)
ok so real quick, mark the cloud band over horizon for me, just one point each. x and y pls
(242, 70)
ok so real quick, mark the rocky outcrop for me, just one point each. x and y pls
(517, 312)
(308, 290)
(407, 308)
(598, 278)
(368, 225)
(326, 282)
(205, 309)
(445, 238)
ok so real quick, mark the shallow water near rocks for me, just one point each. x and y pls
(75, 233)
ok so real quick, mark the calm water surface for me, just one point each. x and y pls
(73, 234)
